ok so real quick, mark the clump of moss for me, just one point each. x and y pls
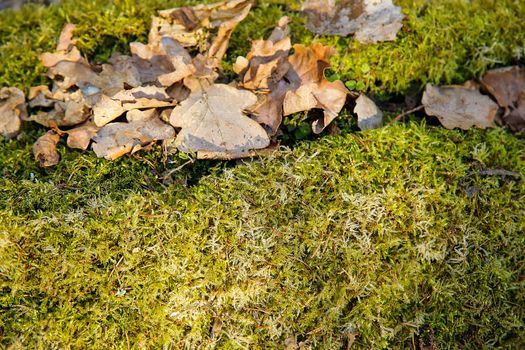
(387, 235)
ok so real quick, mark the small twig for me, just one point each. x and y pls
(404, 114)
(114, 267)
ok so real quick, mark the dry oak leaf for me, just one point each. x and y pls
(212, 121)
(69, 108)
(110, 108)
(45, 149)
(12, 111)
(507, 85)
(116, 139)
(80, 136)
(65, 51)
(313, 91)
(459, 107)
(191, 26)
(371, 20)
(262, 71)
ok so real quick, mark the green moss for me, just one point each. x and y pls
(387, 234)
(393, 235)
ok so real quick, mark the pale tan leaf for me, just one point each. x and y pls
(136, 115)
(110, 108)
(45, 149)
(12, 111)
(371, 20)
(117, 139)
(212, 121)
(459, 107)
(65, 51)
(69, 111)
(369, 116)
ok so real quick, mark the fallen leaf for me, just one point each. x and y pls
(371, 20)
(117, 139)
(69, 111)
(459, 107)
(110, 108)
(313, 91)
(195, 26)
(507, 85)
(212, 121)
(136, 115)
(12, 111)
(65, 51)
(262, 71)
(369, 116)
(45, 149)
(80, 137)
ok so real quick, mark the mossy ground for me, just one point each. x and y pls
(393, 235)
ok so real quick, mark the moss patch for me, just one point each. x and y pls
(386, 234)
(393, 235)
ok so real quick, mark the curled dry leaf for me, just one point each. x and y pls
(65, 51)
(45, 149)
(313, 91)
(459, 107)
(117, 139)
(69, 108)
(507, 85)
(110, 108)
(369, 116)
(191, 26)
(80, 137)
(262, 71)
(371, 20)
(212, 121)
(12, 111)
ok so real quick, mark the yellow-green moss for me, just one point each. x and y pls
(393, 235)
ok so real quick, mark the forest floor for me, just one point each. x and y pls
(408, 236)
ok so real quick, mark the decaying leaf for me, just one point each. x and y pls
(371, 20)
(192, 26)
(212, 120)
(45, 149)
(110, 108)
(369, 116)
(65, 51)
(117, 139)
(507, 85)
(12, 111)
(262, 71)
(313, 91)
(80, 137)
(71, 109)
(459, 107)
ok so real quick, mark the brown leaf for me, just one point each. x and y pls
(45, 149)
(65, 51)
(71, 110)
(459, 107)
(313, 91)
(206, 26)
(117, 139)
(12, 111)
(80, 137)
(507, 85)
(267, 62)
(212, 120)
(369, 116)
(110, 108)
(371, 20)
(262, 71)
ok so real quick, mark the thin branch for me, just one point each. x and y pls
(404, 114)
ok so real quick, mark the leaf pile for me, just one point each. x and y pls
(167, 90)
